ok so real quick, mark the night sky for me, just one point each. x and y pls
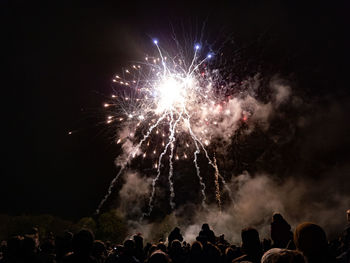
(60, 58)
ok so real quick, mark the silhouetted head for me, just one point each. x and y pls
(212, 252)
(33, 231)
(229, 252)
(250, 239)
(47, 247)
(196, 248)
(14, 245)
(129, 247)
(159, 256)
(119, 249)
(161, 246)
(310, 239)
(28, 244)
(202, 238)
(138, 240)
(152, 249)
(68, 235)
(82, 242)
(176, 230)
(205, 227)
(98, 249)
(278, 255)
(175, 245)
(277, 217)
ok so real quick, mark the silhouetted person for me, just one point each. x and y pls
(128, 256)
(311, 240)
(47, 253)
(139, 252)
(266, 244)
(13, 250)
(162, 247)
(176, 252)
(29, 250)
(186, 248)
(211, 253)
(207, 233)
(99, 251)
(222, 240)
(250, 245)
(34, 234)
(345, 238)
(115, 254)
(63, 245)
(82, 247)
(278, 255)
(152, 249)
(344, 246)
(196, 253)
(231, 253)
(281, 233)
(175, 234)
(159, 256)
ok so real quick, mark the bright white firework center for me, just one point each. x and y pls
(172, 93)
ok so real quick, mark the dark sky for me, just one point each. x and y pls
(60, 57)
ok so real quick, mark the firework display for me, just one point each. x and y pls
(180, 101)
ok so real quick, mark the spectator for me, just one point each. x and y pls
(13, 251)
(344, 247)
(196, 253)
(139, 252)
(231, 253)
(277, 255)
(207, 234)
(63, 245)
(162, 247)
(311, 240)
(29, 250)
(281, 233)
(176, 252)
(212, 253)
(47, 253)
(128, 256)
(175, 234)
(250, 245)
(82, 248)
(99, 251)
(159, 256)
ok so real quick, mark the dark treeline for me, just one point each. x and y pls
(102, 240)
(107, 226)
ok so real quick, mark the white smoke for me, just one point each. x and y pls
(129, 150)
(222, 121)
(256, 199)
(281, 90)
(133, 193)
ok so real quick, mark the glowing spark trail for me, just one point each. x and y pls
(165, 100)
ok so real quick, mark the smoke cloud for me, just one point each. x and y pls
(133, 193)
(256, 199)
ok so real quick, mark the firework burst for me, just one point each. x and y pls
(177, 100)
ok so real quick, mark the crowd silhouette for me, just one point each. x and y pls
(307, 244)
